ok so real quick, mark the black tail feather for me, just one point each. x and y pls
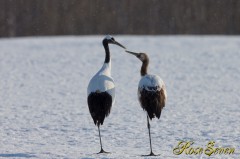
(99, 106)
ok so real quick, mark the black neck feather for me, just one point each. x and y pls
(107, 57)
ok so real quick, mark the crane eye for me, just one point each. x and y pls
(141, 56)
(112, 39)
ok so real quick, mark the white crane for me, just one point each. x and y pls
(101, 89)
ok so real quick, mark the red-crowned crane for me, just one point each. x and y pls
(151, 93)
(101, 89)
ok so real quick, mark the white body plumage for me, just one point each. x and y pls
(102, 81)
(149, 81)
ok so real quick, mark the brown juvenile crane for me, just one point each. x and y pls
(151, 93)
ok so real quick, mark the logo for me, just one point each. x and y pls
(209, 150)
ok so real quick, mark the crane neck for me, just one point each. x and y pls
(144, 67)
(107, 56)
(106, 68)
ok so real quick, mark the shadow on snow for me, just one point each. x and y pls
(24, 155)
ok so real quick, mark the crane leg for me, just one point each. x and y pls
(150, 141)
(101, 151)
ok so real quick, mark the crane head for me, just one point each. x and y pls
(141, 56)
(110, 40)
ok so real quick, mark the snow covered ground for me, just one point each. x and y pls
(43, 92)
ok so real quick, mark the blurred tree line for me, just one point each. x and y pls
(61, 17)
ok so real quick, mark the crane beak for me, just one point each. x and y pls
(133, 53)
(117, 43)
